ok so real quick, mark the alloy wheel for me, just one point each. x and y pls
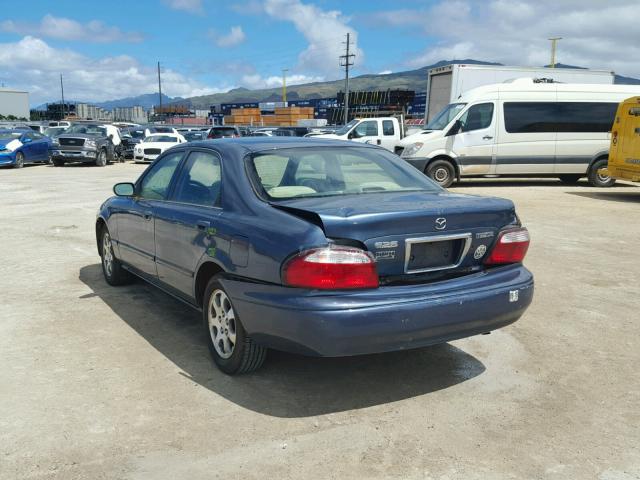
(107, 254)
(222, 324)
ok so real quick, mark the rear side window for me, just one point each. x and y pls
(586, 116)
(477, 117)
(155, 184)
(577, 117)
(387, 128)
(199, 183)
(270, 169)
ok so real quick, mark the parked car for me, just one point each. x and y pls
(224, 132)
(151, 129)
(18, 147)
(53, 132)
(153, 145)
(522, 128)
(131, 136)
(195, 136)
(383, 131)
(292, 131)
(61, 123)
(84, 142)
(315, 247)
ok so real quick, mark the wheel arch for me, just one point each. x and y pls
(205, 272)
(100, 224)
(604, 155)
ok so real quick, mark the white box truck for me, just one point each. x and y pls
(446, 83)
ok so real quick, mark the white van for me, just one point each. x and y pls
(520, 128)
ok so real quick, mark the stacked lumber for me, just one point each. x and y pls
(283, 117)
(243, 116)
(289, 116)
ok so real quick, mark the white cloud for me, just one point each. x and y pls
(596, 34)
(235, 37)
(191, 6)
(68, 29)
(33, 65)
(325, 32)
(255, 80)
(385, 72)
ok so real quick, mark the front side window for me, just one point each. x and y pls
(367, 129)
(477, 117)
(199, 183)
(155, 184)
(328, 171)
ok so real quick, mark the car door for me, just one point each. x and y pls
(389, 135)
(367, 131)
(29, 147)
(41, 145)
(135, 221)
(474, 144)
(186, 225)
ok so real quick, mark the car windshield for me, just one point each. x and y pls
(135, 133)
(9, 135)
(329, 171)
(223, 132)
(87, 130)
(344, 130)
(445, 116)
(160, 138)
(53, 131)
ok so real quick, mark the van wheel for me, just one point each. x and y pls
(233, 351)
(569, 179)
(441, 172)
(597, 180)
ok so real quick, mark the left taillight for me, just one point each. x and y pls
(511, 247)
(331, 268)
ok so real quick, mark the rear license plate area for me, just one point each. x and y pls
(431, 254)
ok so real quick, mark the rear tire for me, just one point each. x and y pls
(597, 180)
(442, 172)
(112, 269)
(101, 159)
(19, 160)
(569, 179)
(233, 351)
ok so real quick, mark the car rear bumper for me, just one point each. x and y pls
(384, 319)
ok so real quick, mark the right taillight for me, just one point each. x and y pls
(511, 247)
(331, 268)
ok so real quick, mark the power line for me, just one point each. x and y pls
(346, 61)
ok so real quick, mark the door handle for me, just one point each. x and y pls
(487, 137)
(203, 225)
(148, 215)
(379, 141)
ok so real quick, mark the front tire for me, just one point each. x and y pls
(101, 159)
(112, 269)
(19, 160)
(442, 172)
(233, 351)
(597, 180)
(57, 162)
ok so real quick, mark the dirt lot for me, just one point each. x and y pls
(100, 382)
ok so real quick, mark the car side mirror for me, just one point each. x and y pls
(455, 129)
(125, 189)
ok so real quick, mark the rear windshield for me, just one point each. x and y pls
(329, 171)
(160, 138)
(222, 132)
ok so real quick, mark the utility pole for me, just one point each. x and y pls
(284, 85)
(62, 91)
(346, 61)
(554, 42)
(159, 89)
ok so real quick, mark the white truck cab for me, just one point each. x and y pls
(521, 128)
(383, 131)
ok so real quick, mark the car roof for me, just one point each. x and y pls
(258, 144)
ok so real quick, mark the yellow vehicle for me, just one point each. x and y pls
(624, 154)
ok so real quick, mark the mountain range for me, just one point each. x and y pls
(410, 80)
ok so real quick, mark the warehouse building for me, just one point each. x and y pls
(14, 102)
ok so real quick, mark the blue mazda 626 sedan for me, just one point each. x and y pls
(318, 247)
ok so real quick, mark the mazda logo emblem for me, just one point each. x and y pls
(441, 223)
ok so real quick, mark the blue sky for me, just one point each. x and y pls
(108, 50)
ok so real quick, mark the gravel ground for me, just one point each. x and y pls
(116, 383)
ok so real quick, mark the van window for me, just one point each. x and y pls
(586, 116)
(530, 117)
(578, 117)
(477, 117)
(387, 128)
